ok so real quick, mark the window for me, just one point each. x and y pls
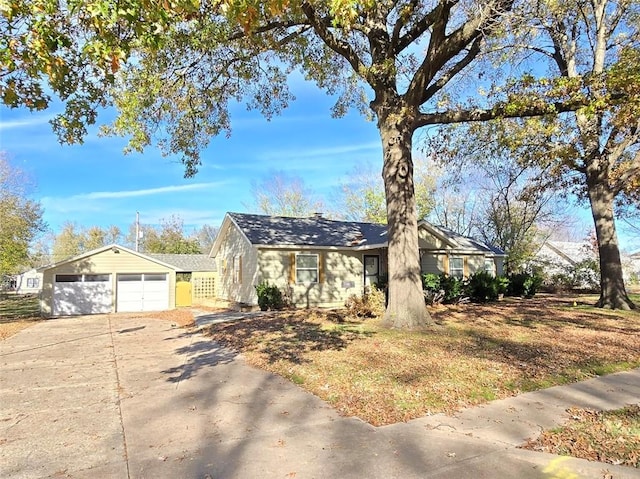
(237, 266)
(86, 278)
(490, 266)
(307, 268)
(155, 277)
(95, 278)
(33, 282)
(129, 277)
(68, 278)
(456, 267)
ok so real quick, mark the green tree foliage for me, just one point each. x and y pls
(73, 240)
(176, 66)
(169, 238)
(20, 219)
(280, 194)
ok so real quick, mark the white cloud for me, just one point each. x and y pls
(335, 151)
(21, 123)
(102, 195)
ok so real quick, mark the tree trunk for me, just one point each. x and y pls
(612, 291)
(406, 307)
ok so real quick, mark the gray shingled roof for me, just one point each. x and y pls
(317, 231)
(313, 231)
(466, 242)
(186, 262)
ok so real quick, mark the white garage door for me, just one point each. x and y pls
(81, 294)
(143, 292)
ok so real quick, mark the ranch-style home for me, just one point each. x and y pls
(321, 262)
(117, 279)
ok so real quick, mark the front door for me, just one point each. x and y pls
(371, 270)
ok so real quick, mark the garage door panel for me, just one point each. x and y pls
(79, 297)
(143, 292)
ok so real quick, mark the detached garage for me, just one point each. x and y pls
(108, 279)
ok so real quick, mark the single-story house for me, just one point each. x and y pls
(29, 282)
(110, 279)
(321, 262)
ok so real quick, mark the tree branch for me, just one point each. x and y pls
(339, 46)
(266, 28)
(418, 28)
(499, 111)
(457, 68)
(443, 48)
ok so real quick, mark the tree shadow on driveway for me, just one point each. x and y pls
(198, 355)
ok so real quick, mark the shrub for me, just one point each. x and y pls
(442, 288)
(430, 281)
(524, 284)
(431, 289)
(503, 284)
(453, 288)
(370, 305)
(269, 296)
(483, 286)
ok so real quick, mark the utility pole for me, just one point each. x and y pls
(137, 231)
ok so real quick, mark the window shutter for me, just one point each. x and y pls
(465, 267)
(320, 268)
(292, 268)
(240, 269)
(445, 264)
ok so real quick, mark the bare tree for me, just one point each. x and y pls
(280, 194)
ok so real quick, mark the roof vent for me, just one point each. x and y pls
(317, 216)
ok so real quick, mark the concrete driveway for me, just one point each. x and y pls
(115, 397)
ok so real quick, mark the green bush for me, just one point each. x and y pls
(483, 286)
(503, 284)
(442, 288)
(269, 296)
(524, 284)
(430, 281)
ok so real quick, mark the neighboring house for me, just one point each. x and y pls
(567, 259)
(558, 256)
(29, 282)
(321, 262)
(111, 279)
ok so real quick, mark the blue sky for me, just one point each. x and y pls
(96, 184)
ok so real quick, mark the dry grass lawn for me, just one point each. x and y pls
(473, 354)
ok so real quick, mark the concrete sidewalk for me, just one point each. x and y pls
(111, 397)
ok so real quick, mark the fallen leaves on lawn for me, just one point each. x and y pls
(472, 354)
(610, 436)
